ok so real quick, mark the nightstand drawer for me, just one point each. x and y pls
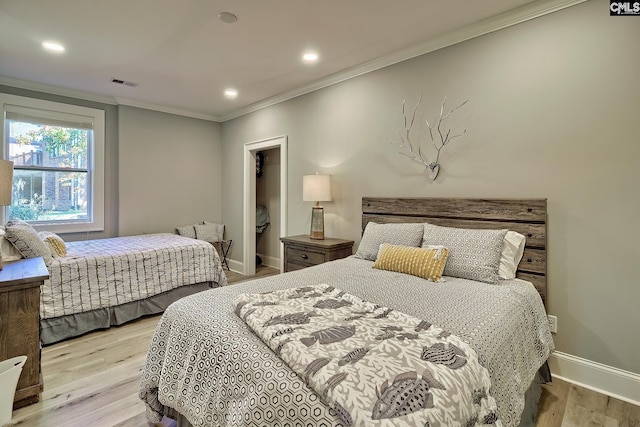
(299, 256)
(292, 266)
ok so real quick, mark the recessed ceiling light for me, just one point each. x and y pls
(53, 46)
(231, 93)
(227, 17)
(310, 57)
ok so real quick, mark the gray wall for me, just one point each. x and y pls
(170, 171)
(554, 112)
(111, 158)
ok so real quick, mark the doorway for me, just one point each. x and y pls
(251, 150)
(268, 208)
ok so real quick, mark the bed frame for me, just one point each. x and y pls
(526, 216)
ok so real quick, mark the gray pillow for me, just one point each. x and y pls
(26, 240)
(187, 231)
(396, 234)
(209, 231)
(473, 254)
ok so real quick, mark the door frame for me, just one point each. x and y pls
(249, 211)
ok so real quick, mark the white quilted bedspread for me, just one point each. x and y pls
(109, 272)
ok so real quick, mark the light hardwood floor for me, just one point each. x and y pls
(93, 381)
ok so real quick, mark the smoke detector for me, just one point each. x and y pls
(227, 17)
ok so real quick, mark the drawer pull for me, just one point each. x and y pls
(305, 256)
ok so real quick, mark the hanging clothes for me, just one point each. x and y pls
(262, 218)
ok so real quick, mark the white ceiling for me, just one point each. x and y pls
(183, 56)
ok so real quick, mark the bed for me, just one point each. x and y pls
(105, 282)
(206, 367)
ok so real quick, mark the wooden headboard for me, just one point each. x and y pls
(526, 216)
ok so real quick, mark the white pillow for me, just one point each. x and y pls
(512, 251)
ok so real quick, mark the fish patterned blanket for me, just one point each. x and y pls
(373, 365)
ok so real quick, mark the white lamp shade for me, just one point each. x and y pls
(316, 188)
(6, 182)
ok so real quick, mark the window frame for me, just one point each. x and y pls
(95, 162)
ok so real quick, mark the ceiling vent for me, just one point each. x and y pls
(124, 82)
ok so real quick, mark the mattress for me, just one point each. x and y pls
(205, 364)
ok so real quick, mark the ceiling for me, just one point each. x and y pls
(183, 57)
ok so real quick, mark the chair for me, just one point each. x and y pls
(213, 233)
(223, 252)
(210, 232)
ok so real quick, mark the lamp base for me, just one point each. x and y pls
(317, 223)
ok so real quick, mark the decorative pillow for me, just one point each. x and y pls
(473, 254)
(18, 221)
(187, 231)
(396, 234)
(427, 263)
(26, 240)
(209, 231)
(512, 251)
(56, 245)
(9, 252)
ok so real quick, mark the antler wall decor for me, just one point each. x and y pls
(438, 128)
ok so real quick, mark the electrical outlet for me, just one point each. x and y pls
(553, 323)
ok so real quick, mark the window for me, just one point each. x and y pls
(57, 152)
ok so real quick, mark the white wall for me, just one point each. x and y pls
(554, 112)
(170, 171)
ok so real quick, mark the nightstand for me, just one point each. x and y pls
(302, 251)
(20, 283)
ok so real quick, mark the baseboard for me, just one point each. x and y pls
(238, 266)
(614, 382)
(235, 266)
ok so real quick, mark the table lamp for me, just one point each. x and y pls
(316, 188)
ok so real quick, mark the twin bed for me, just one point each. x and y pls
(105, 282)
(206, 366)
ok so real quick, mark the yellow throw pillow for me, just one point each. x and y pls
(427, 263)
(56, 245)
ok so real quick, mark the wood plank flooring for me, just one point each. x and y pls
(93, 381)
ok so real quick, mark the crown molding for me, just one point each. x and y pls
(165, 109)
(495, 23)
(71, 93)
(55, 90)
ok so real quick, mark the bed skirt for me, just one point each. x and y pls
(60, 328)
